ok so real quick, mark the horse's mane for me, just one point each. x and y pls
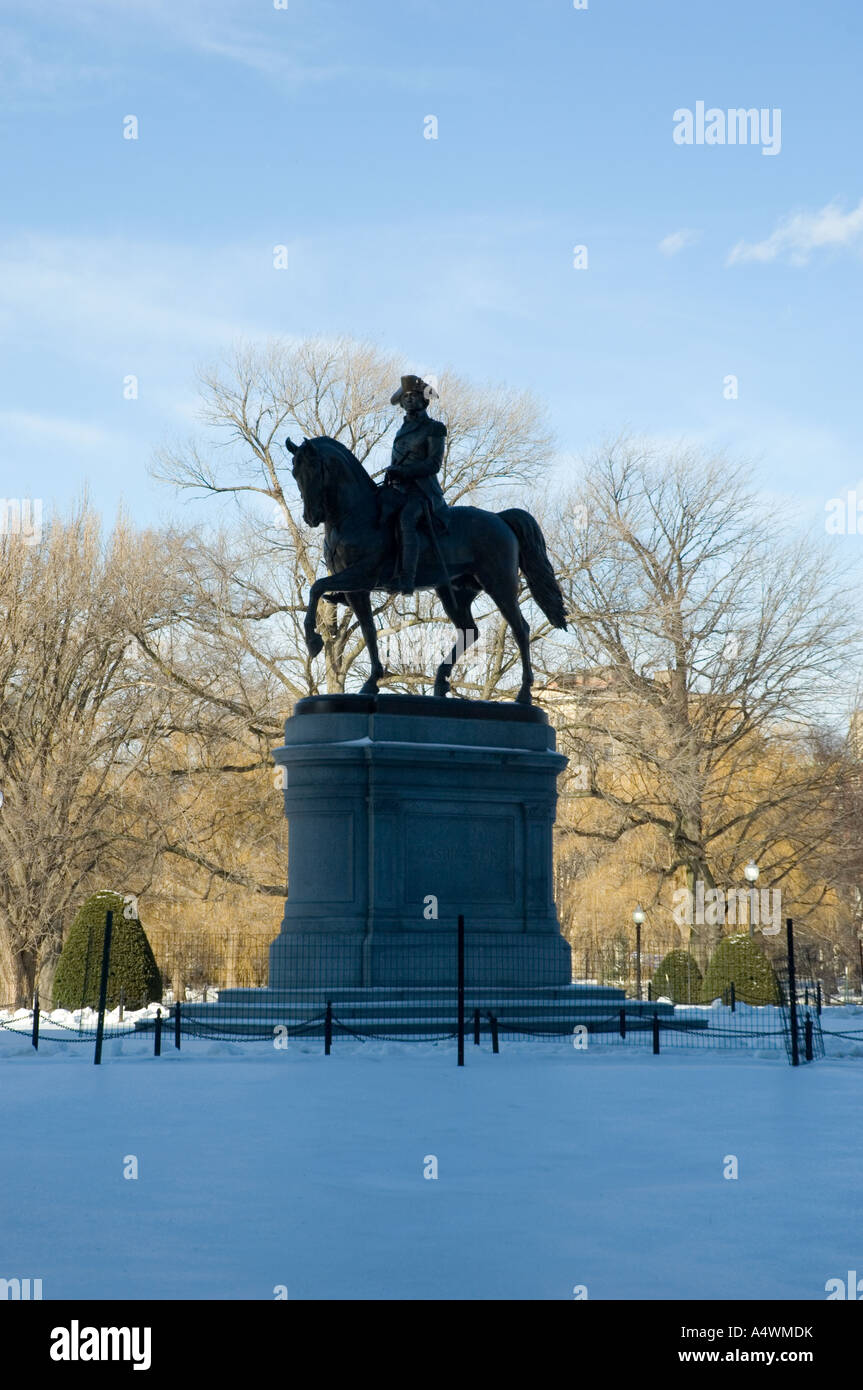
(341, 453)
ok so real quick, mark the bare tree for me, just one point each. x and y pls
(841, 852)
(77, 719)
(711, 639)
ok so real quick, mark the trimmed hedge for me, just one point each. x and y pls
(133, 967)
(678, 978)
(739, 961)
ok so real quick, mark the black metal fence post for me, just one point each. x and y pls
(623, 1023)
(818, 998)
(35, 1038)
(178, 1024)
(103, 986)
(157, 1036)
(733, 994)
(328, 1029)
(461, 991)
(807, 1038)
(494, 1039)
(656, 1035)
(476, 1027)
(792, 994)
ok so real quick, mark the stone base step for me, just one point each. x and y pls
(403, 1012)
(422, 993)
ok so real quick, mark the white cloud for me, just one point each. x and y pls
(677, 241)
(42, 63)
(30, 74)
(802, 233)
(113, 301)
(37, 430)
(156, 309)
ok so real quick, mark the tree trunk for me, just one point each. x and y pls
(17, 976)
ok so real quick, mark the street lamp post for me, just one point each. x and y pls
(751, 875)
(638, 918)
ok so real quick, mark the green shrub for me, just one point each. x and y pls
(678, 978)
(133, 967)
(739, 961)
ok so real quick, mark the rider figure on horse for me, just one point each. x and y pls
(413, 488)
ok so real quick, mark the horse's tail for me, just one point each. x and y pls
(534, 564)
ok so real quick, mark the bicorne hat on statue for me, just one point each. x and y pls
(413, 383)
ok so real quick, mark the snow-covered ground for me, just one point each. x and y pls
(556, 1168)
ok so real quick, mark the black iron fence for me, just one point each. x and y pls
(473, 991)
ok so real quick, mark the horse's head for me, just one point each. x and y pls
(332, 482)
(309, 470)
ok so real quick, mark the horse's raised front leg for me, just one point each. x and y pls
(354, 577)
(361, 603)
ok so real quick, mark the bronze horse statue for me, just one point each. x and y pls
(480, 550)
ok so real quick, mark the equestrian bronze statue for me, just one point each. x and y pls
(401, 536)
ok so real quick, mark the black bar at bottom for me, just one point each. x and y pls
(805, 1329)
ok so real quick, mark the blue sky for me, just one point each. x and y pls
(304, 126)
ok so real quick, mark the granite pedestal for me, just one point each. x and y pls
(403, 812)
